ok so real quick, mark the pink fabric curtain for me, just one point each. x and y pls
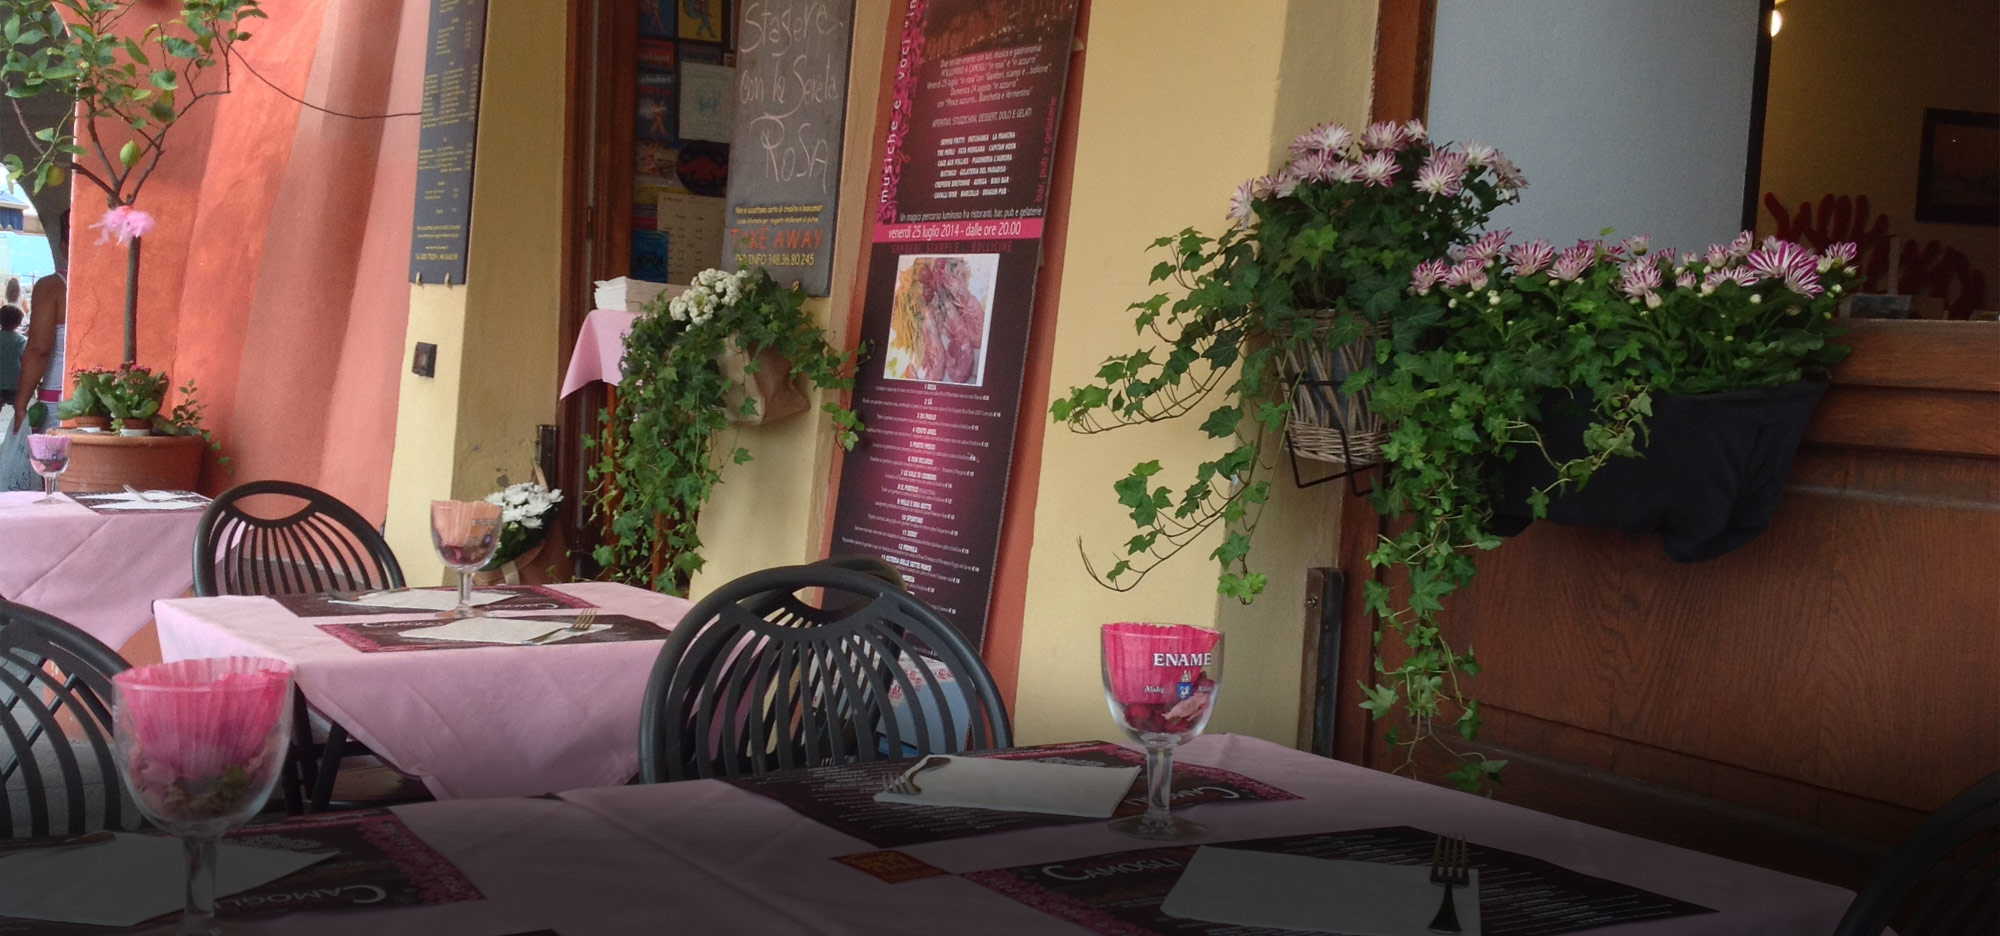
(277, 275)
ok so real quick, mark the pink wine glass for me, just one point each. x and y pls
(1161, 680)
(199, 744)
(49, 456)
(465, 534)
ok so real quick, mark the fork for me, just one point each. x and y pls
(1450, 868)
(905, 783)
(580, 624)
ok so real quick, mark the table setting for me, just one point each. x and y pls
(83, 542)
(1167, 832)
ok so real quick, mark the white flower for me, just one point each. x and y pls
(1477, 153)
(532, 523)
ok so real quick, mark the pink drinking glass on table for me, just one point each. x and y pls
(199, 744)
(49, 456)
(465, 534)
(1161, 680)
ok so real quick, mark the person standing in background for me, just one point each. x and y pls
(12, 345)
(36, 411)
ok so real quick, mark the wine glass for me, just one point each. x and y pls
(199, 744)
(465, 534)
(49, 456)
(1161, 681)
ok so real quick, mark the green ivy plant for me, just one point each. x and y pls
(662, 460)
(1470, 337)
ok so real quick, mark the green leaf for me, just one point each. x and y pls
(165, 80)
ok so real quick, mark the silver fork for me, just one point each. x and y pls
(1450, 868)
(581, 623)
(905, 783)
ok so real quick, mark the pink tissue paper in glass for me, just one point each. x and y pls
(202, 739)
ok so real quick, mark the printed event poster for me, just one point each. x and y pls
(790, 109)
(978, 92)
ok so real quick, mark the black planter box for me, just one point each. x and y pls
(1707, 479)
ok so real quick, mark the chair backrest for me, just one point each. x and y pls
(1942, 880)
(301, 540)
(57, 775)
(756, 679)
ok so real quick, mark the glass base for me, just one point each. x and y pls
(1170, 829)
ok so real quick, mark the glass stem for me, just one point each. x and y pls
(199, 917)
(49, 488)
(464, 594)
(1159, 783)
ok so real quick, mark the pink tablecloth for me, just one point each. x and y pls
(100, 572)
(600, 349)
(715, 859)
(468, 721)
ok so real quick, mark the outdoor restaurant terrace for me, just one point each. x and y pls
(1125, 467)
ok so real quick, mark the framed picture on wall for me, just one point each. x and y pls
(1958, 175)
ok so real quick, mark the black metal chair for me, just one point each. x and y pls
(755, 679)
(320, 545)
(1944, 879)
(306, 541)
(55, 729)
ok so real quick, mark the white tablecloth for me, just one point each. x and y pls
(706, 857)
(468, 721)
(98, 571)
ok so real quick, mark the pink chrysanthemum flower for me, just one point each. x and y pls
(1479, 154)
(1338, 171)
(1668, 256)
(1571, 263)
(1738, 275)
(1328, 139)
(1804, 281)
(1740, 247)
(1309, 167)
(1489, 246)
(1286, 182)
(1426, 275)
(1531, 257)
(1718, 255)
(1468, 273)
(1379, 168)
(1637, 246)
(1442, 174)
(1638, 278)
(1507, 177)
(1387, 135)
(1241, 204)
(1414, 132)
(1778, 259)
(1837, 255)
(1687, 280)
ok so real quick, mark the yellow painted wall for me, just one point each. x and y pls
(772, 511)
(459, 432)
(1850, 80)
(1179, 106)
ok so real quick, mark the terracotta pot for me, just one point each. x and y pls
(92, 422)
(105, 462)
(135, 427)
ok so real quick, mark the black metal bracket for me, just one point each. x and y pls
(1298, 474)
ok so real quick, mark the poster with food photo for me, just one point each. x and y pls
(941, 317)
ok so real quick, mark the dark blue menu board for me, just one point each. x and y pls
(443, 218)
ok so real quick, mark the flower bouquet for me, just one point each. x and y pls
(525, 520)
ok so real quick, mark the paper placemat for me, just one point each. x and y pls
(378, 862)
(843, 798)
(1121, 893)
(394, 636)
(121, 502)
(521, 598)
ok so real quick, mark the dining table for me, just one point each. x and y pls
(98, 561)
(723, 857)
(466, 719)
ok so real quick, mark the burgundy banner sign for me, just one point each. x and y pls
(978, 90)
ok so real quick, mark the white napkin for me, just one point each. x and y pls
(501, 630)
(128, 880)
(1249, 888)
(149, 505)
(424, 599)
(1020, 786)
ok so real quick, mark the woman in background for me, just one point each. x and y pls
(36, 411)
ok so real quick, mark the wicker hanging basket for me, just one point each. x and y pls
(1325, 424)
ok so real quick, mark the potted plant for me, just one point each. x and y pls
(132, 81)
(160, 450)
(134, 397)
(88, 407)
(524, 527)
(1502, 374)
(661, 462)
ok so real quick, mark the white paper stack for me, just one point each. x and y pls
(424, 599)
(631, 295)
(503, 631)
(1260, 889)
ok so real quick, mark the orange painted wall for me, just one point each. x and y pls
(276, 276)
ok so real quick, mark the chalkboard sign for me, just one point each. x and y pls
(444, 146)
(791, 106)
